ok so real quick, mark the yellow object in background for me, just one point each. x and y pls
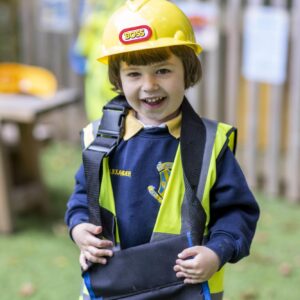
(25, 79)
(98, 89)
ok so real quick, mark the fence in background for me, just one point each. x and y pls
(8, 30)
(267, 115)
(46, 44)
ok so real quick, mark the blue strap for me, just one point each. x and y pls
(206, 291)
(205, 287)
(87, 282)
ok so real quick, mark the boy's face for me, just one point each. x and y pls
(154, 91)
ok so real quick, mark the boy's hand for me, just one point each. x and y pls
(196, 264)
(91, 248)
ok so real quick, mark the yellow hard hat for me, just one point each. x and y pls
(26, 79)
(146, 24)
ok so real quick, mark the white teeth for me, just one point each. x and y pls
(153, 100)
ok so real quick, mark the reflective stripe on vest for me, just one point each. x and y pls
(172, 219)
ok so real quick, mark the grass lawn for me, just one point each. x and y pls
(39, 262)
(272, 271)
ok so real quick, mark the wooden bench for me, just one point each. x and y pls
(24, 111)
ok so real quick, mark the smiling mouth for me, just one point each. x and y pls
(153, 100)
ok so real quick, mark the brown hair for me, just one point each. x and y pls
(191, 63)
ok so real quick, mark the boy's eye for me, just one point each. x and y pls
(163, 71)
(133, 74)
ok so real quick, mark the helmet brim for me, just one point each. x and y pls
(165, 42)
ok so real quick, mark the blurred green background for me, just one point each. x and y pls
(40, 262)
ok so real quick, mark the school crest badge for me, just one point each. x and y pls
(164, 170)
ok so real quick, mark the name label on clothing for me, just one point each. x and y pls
(118, 172)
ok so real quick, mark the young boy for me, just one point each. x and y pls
(146, 182)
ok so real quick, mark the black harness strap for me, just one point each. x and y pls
(110, 131)
(192, 140)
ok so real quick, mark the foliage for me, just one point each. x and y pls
(40, 262)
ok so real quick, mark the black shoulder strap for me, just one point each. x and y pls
(193, 154)
(192, 140)
(109, 133)
(197, 141)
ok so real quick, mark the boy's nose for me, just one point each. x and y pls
(150, 84)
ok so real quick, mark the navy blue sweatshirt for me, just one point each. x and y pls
(137, 190)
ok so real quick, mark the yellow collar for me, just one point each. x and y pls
(133, 126)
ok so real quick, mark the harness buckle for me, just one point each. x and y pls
(112, 123)
(110, 130)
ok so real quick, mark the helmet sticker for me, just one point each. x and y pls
(135, 34)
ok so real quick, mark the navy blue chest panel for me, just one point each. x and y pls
(139, 173)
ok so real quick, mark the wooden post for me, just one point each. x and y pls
(27, 44)
(196, 94)
(250, 151)
(211, 82)
(6, 224)
(272, 155)
(250, 158)
(293, 153)
(74, 80)
(42, 43)
(29, 152)
(30, 166)
(212, 85)
(232, 59)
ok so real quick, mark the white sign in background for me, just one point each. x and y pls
(204, 17)
(265, 51)
(55, 15)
